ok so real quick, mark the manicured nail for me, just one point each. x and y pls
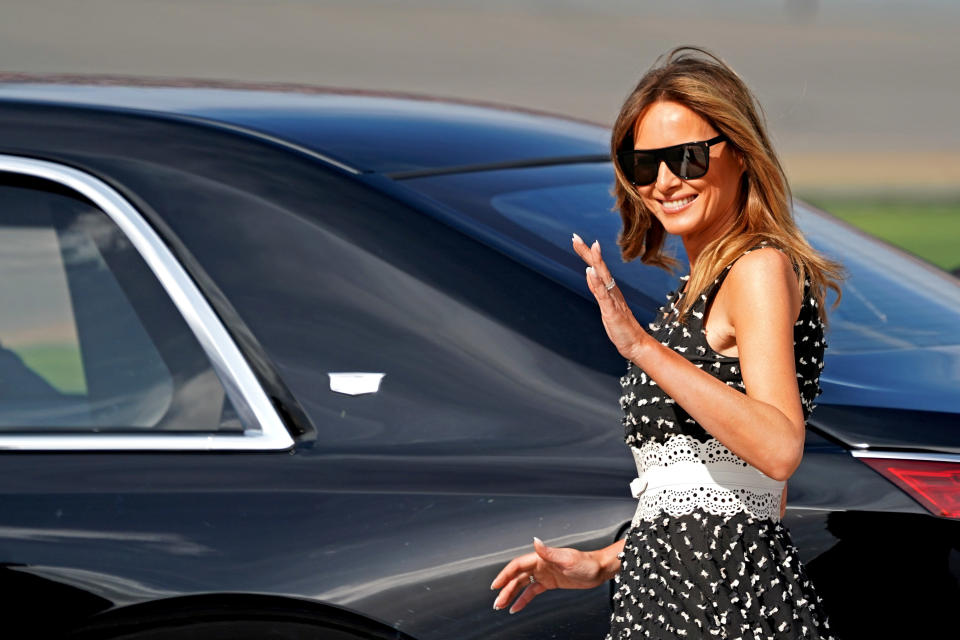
(577, 238)
(512, 611)
(536, 539)
(495, 607)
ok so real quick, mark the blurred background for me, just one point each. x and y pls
(861, 96)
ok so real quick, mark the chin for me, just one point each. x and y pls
(677, 226)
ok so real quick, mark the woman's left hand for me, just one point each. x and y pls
(622, 327)
(527, 576)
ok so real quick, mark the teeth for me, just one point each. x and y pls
(673, 205)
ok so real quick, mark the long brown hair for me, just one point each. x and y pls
(708, 86)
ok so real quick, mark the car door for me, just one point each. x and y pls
(113, 370)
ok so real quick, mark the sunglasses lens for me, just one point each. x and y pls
(689, 161)
(639, 168)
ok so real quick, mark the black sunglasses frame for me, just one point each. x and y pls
(674, 156)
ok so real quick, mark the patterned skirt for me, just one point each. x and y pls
(703, 575)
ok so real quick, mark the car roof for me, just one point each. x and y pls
(380, 132)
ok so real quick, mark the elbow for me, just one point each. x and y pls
(783, 466)
(780, 473)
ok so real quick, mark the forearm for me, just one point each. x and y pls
(756, 431)
(783, 501)
(608, 561)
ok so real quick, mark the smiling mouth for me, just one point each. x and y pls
(676, 205)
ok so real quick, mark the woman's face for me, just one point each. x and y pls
(699, 209)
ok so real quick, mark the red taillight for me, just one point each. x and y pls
(932, 483)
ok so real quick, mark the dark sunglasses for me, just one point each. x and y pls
(687, 161)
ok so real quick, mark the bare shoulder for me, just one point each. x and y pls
(763, 282)
(766, 264)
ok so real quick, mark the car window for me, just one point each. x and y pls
(557, 212)
(891, 300)
(532, 213)
(89, 341)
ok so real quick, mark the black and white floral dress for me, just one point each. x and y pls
(706, 555)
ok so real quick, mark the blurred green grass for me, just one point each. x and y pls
(58, 364)
(928, 229)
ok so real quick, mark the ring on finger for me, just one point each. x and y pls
(532, 579)
(611, 284)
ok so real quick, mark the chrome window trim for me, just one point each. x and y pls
(907, 455)
(263, 428)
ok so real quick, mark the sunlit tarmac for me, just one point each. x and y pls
(858, 94)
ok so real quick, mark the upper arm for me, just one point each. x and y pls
(763, 304)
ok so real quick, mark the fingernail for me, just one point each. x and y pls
(596, 243)
(495, 607)
(512, 611)
(590, 270)
(536, 539)
(577, 238)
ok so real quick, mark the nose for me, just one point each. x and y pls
(666, 180)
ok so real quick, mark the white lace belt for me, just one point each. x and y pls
(682, 474)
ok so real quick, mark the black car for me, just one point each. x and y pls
(315, 364)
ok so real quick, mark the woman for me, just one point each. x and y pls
(717, 395)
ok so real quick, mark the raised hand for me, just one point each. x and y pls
(551, 568)
(622, 327)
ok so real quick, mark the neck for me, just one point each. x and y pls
(694, 243)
